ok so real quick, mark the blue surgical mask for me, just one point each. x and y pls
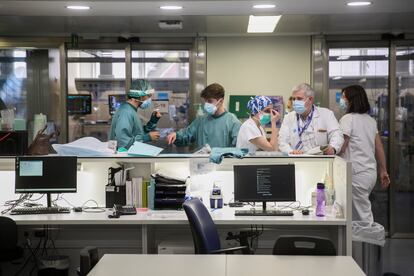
(264, 119)
(299, 106)
(145, 104)
(210, 108)
(343, 105)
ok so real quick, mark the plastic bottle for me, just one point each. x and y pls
(320, 200)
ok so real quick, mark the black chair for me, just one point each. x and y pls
(304, 245)
(204, 231)
(9, 250)
(89, 257)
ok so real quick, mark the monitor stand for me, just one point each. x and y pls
(263, 207)
(49, 200)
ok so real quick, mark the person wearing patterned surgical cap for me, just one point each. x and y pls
(126, 126)
(252, 135)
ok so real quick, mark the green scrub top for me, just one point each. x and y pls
(217, 131)
(126, 126)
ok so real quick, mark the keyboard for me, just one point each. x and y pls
(263, 213)
(40, 210)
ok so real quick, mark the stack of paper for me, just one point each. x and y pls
(142, 149)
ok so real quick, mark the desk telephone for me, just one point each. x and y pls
(119, 210)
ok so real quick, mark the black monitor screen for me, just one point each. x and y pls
(41, 174)
(79, 104)
(261, 183)
(115, 102)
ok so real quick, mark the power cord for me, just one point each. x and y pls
(12, 204)
(86, 209)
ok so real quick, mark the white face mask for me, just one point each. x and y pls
(210, 108)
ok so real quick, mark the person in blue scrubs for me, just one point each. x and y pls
(217, 128)
(126, 126)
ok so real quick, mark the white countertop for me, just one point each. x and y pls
(223, 216)
(224, 265)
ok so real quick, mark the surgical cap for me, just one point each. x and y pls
(140, 88)
(258, 103)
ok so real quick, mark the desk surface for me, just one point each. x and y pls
(225, 265)
(265, 265)
(223, 216)
(160, 265)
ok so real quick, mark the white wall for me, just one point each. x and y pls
(259, 65)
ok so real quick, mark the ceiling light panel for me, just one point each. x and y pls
(262, 24)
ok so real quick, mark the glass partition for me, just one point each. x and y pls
(403, 189)
(94, 77)
(168, 71)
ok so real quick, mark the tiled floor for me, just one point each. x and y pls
(399, 256)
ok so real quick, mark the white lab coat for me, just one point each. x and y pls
(324, 124)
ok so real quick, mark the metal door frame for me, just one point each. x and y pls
(392, 162)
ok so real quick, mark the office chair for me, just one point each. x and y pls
(9, 250)
(205, 235)
(303, 245)
(88, 259)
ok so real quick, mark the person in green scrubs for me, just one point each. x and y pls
(217, 128)
(126, 126)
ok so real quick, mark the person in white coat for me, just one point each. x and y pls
(308, 126)
(363, 147)
(251, 134)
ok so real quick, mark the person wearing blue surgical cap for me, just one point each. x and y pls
(126, 126)
(252, 135)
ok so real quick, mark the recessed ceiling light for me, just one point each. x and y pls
(262, 24)
(359, 3)
(78, 7)
(337, 78)
(171, 8)
(264, 6)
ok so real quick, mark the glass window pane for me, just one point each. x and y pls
(13, 80)
(402, 210)
(160, 64)
(168, 72)
(99, 74)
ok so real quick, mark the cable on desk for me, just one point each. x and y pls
(11, 204)
(86, 209)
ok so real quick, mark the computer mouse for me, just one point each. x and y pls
(77, 209)
(305, 212)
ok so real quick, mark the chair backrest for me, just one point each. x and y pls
(8, 234)
(88, 259)
(304, 245)
(203, 229)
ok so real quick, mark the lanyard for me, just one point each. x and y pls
(302, 130)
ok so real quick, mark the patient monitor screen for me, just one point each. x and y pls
(254, 183)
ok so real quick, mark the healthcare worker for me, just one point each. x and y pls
(217, 128)
(363, 147)
(252, 135)
(126, 126)
(308, 126)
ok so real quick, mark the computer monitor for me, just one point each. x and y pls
(264, 183)
(79, 104)
(115, 101)
(46, 174)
